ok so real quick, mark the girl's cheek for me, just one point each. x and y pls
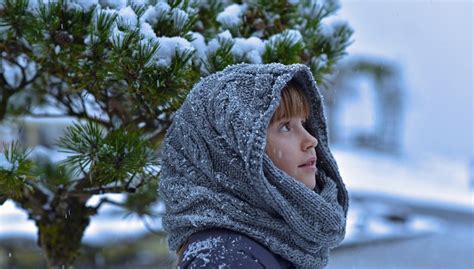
(279, 154)
(276, 154)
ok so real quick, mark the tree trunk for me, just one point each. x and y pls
(60, 232)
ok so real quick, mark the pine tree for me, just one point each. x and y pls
(121, 68)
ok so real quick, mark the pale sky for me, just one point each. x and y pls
(432, 41)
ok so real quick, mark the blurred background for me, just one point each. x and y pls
(404, 133)
(400, 117)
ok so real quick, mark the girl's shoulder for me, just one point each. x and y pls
(223, 248)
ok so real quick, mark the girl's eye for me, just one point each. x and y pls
(285, 127)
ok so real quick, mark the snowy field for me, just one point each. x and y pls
(429, 180)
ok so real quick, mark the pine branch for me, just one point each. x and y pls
(160, 232)
(6, 94)
(8, 91)
(68, 103)
(97, 190)
(108, 201)
(221, 58)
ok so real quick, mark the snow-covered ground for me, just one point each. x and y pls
(431, 181)
(112, 224)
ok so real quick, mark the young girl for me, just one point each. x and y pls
(247, 176)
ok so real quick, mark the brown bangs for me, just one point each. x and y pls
(293, 103)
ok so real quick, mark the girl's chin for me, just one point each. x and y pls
(311, 185)
(308, 182)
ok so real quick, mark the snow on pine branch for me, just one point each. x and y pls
(232, 15)
(250, 49)
(12, 71)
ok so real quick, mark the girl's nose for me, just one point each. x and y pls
(309, 141)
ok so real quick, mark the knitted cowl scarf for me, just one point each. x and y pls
(215, 172)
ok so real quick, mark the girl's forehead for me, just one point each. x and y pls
(290, 117)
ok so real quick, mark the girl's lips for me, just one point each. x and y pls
(310, 162)
(310, 165)
(309, 168)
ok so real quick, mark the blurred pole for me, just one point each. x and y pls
(471, 173)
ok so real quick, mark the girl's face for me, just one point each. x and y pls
(292, 149)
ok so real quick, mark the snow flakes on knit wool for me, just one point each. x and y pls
(223, 115)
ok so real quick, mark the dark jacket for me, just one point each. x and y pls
(222, 248)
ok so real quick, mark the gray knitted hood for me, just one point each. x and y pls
(215, 172)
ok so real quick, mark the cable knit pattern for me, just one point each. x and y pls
(215, 172)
